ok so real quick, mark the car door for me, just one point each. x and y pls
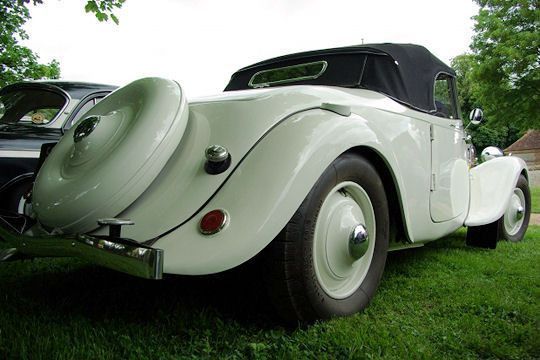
(449, 196)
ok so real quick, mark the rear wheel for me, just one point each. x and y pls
(329, 258)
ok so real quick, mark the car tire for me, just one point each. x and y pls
(313, 269)
(515, 220)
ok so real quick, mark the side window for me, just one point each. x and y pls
(82, 110)
(445, 101)
(30, 106)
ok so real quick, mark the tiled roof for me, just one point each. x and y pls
(529, 141)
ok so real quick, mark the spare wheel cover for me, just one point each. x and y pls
(108, 159)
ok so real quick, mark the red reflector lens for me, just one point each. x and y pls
(213, 222)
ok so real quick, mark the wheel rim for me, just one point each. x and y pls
(345, 210)
(515, 213)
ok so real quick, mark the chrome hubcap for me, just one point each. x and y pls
(515, 213)
(358, 242)
(343, 242)
(520, 211)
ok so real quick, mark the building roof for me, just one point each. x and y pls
(529, 141)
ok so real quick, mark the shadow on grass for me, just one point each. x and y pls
(453, 242)
(103, 295)
(69, 288)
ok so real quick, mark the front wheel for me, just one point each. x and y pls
(329, 258)
(515, 221)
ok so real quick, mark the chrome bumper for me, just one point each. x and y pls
(118, 254)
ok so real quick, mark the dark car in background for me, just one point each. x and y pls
(31, 114)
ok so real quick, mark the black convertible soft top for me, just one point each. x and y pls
(405, 72)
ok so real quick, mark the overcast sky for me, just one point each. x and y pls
(200, 43)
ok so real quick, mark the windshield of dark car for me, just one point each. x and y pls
(30, 106)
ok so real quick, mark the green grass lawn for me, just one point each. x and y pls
(535, 199)
(441, 301)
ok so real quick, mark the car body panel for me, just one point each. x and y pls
(312, 138)
(449, 171)
(183, 186)
(301, 147)
(492, 185)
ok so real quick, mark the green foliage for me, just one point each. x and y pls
(489, 133)
(502, 74)
(18, 62)
(506, 68)
(463, 65)
(443, 301)
(103, 9)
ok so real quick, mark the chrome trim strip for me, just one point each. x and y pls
(122, 255)
(403, 246)
(19, 154)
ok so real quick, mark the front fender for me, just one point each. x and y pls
(264, 191)
(492, 184)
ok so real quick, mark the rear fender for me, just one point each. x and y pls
(492, 184)
(265, 190)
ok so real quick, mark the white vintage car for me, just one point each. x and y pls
(321, 161)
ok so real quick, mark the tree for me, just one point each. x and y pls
(489, 133)
(506, 70)
(103, 9)
(463, 65)
(16, 61)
